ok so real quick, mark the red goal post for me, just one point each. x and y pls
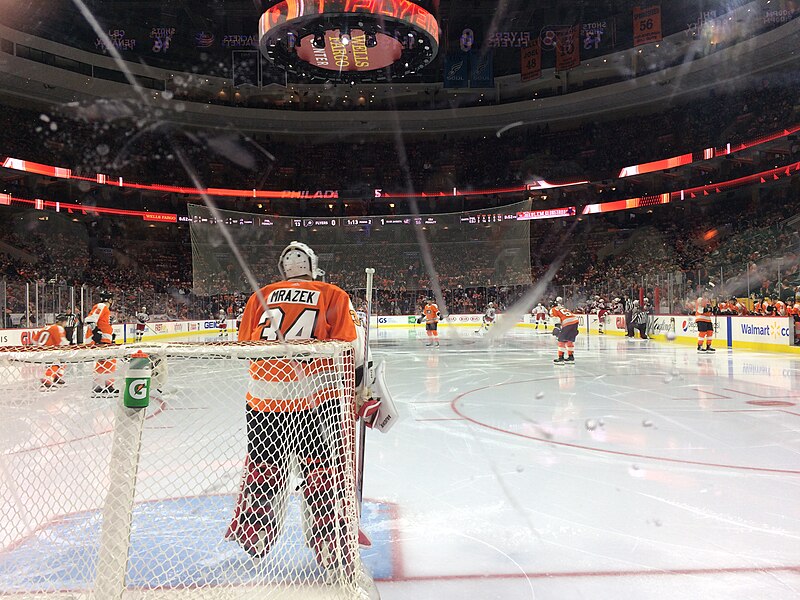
(102, 501)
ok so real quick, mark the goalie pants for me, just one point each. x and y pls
(273, 437)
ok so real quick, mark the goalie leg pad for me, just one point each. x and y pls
(258, 517)
(328, 534)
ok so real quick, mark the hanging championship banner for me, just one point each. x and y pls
(531, 61)
(568, 48)
(646, 25)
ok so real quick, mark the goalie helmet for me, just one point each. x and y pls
(298, 260)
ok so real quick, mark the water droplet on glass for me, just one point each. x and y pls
(167, 95)
(103, 149)
(591, 424)
(647, 423)
(44, 118)
(53, 127)
(520, 468)
(180, 107)
(539, 395)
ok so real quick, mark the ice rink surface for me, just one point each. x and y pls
(644, 470)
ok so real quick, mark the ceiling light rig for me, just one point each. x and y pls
(350, 40)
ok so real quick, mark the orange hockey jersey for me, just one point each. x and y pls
(53, 335)
(701, 314)
(100, 318)
(566, 317)
(299, 310)
(431, 313)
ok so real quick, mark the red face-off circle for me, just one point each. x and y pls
(354, 55)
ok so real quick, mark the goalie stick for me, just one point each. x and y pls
(362, 426)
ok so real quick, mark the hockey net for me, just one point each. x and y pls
(102, 501)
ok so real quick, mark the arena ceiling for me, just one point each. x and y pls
(205, 34)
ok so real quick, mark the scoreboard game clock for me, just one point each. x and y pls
(357, 40)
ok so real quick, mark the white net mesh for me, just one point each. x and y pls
(204, 494)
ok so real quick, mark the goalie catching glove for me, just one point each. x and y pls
(375, 404)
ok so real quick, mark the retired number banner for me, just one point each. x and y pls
(568, 48)
(532, 61)
(646, 25)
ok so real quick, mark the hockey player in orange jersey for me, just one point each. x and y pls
(705, 326)
(431, 316)
(53, 335)
(283, 427)
(566, 332)
(100, 332)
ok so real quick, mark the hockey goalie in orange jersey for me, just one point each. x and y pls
(285, 427)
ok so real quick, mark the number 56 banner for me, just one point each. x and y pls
(646, 25)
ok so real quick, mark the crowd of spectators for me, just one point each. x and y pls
(112, 138)
(747, 246)
(741, 246)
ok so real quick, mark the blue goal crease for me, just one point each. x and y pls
(177, 543)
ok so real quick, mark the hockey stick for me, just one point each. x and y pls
(362, 427)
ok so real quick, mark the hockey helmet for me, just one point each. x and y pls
(298, 260)
(636, 303)
(491, 304)
(106, 296)
(62, 317)
(559, 300)
(144, 309)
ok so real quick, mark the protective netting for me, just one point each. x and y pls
(199, 495)
(478, 248)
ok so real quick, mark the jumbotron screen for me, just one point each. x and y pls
(469, 249)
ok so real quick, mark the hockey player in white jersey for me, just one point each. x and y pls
(222, 324)
(142, 319)
(539, 316)
(362, 315)
(489, 316)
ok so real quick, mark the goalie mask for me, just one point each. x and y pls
(298, 260)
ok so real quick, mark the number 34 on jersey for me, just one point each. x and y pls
(299, 310)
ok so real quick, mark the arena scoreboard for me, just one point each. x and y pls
(356, 40)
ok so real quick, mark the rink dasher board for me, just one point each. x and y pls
(765, 334)
(774, 334)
